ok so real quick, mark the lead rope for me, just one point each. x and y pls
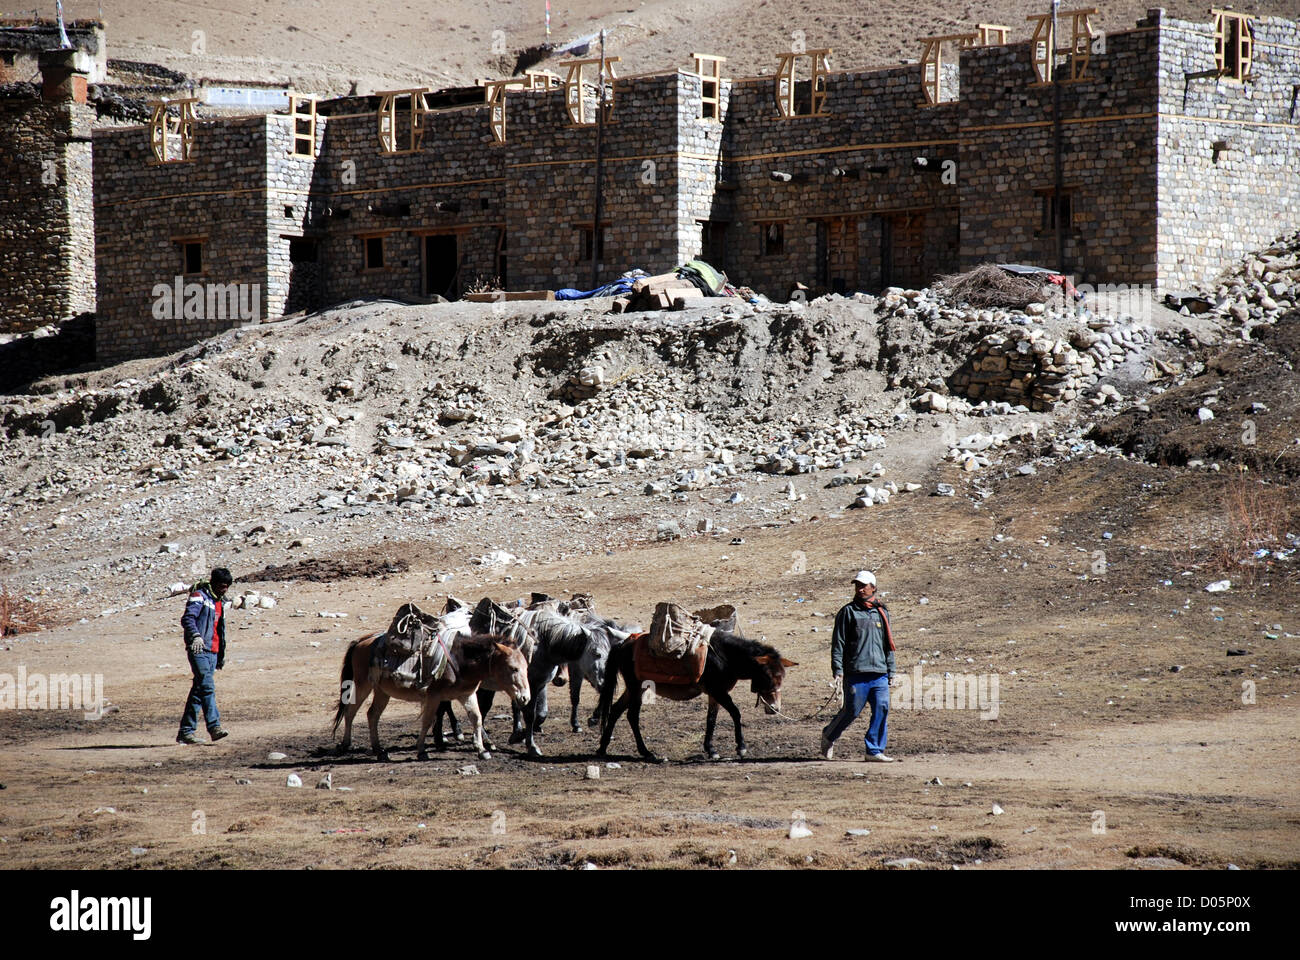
(758, 701)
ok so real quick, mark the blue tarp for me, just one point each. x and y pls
(619, 287)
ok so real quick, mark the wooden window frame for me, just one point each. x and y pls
(764, 240)
(183, 243)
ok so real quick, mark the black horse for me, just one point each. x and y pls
(731, 658)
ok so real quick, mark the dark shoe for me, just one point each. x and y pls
(186, 738)
(218, 734)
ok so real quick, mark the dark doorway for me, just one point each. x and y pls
(837, 248)
(903, 259)
(441, 265)
(713, 243)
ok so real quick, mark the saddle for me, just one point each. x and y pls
(413, 652)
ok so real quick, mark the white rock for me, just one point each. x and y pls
(1205, 414)
(293, 780)
(1219, 586)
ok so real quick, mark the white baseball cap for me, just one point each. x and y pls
(865, 576)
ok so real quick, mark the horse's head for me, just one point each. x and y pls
(596, 653)
(510, 672)
(766, 683)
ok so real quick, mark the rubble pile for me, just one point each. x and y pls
(1264, 286)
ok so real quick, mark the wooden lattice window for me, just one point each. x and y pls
(1234, 45)
(302, 114)
(709, 70)
(390, 120)
(784, 84)
(575, 101)
(1043, 44)
(171, 136)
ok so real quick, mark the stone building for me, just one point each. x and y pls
(1177, 145)
(47, 243)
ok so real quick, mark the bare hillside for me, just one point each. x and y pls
(326, 46)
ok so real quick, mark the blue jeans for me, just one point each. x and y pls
(203, 694)
(861, 689)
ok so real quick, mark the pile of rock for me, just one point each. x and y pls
(1038, 370)
(1264, 286)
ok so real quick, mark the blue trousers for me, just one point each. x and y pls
(203, 694)
(861, 689)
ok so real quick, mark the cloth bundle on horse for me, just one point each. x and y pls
(675, 649)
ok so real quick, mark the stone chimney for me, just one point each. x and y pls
(64, 74)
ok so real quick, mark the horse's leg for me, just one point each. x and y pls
(607, 731)
(360, 690)
(634, 718)
(476, 718)
(372, 715)
(710, 722)
(518, 730)
(575, 697)
(428, 712)
(485, 698)
(535, 709)
(446, 711)
(596, 715)
(729, 705)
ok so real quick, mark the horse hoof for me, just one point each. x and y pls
(534, 750)
(742, 752)
(516, 738)
(340, 750)
(576, 728)
(488, 744)
(382, 756)
(460, 738)
(485, 755)
(423, 755)
(600, 752)
(714, 755)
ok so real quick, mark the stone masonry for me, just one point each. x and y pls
(1167, 173)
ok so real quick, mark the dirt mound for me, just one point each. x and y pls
(1251, 398)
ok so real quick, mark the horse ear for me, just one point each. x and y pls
(765, 659)
(788, 663)
(502, 648)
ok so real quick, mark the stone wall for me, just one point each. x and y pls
(549, 166)
(46, 245)
(855, 192)
(144, 210)
(1215, 205)
(1109, 161)
(450, 187)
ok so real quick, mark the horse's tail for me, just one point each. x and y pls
(345, 677)
(618, 656)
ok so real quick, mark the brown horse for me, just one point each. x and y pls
(472, 660)
(731, 658)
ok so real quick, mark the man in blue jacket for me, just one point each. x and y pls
(204, 624)
(862, 662)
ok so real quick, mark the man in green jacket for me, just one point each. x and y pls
(862, 662)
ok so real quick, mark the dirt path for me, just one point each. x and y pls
(1091, 716)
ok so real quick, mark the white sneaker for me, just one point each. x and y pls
(828, 747)
(878, 758)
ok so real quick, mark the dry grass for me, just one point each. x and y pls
(988, 286)
(1253, 515)
(18, 614)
